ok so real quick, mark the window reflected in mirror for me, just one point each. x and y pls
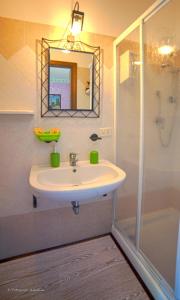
(70, 80)
(62, 85)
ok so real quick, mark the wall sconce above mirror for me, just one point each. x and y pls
(70, 79)
(77, 19)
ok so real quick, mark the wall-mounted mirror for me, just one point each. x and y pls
(70, 85)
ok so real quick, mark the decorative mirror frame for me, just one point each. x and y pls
(76, 46)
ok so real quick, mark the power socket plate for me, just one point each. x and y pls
(106, 131)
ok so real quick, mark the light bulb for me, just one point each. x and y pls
(76, 27)
(166, 50)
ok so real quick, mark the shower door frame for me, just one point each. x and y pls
(159, 288)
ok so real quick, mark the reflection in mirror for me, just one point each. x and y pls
(62, 85)
(70, 80)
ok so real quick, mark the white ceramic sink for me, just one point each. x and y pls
(78, 183)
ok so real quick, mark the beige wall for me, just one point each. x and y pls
(20, 89)
(109, 17)
(25, 233)
(83, 101)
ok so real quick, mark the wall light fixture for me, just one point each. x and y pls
(77, 19)
(166, 47)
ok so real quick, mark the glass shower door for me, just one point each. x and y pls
(161, 188)
(128, 116)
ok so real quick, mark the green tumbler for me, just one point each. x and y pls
(94, 157)
(55, 159)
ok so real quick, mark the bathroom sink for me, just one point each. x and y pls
(80, 183)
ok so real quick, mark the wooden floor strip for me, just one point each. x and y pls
(93, 270)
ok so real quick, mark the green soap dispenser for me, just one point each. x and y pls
(94, 157)
(55, 158)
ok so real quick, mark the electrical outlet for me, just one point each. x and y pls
(106, 131)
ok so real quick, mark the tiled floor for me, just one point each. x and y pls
(91, 270)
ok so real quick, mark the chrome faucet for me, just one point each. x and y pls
(73, 159)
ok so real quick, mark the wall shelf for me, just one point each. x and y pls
(16, 112)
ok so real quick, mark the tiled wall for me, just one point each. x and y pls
(20, 89)
(25, 233)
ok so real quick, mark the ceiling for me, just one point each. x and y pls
(109, 17)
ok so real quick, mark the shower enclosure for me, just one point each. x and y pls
(147, 207)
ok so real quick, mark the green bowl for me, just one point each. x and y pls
(48, 137)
